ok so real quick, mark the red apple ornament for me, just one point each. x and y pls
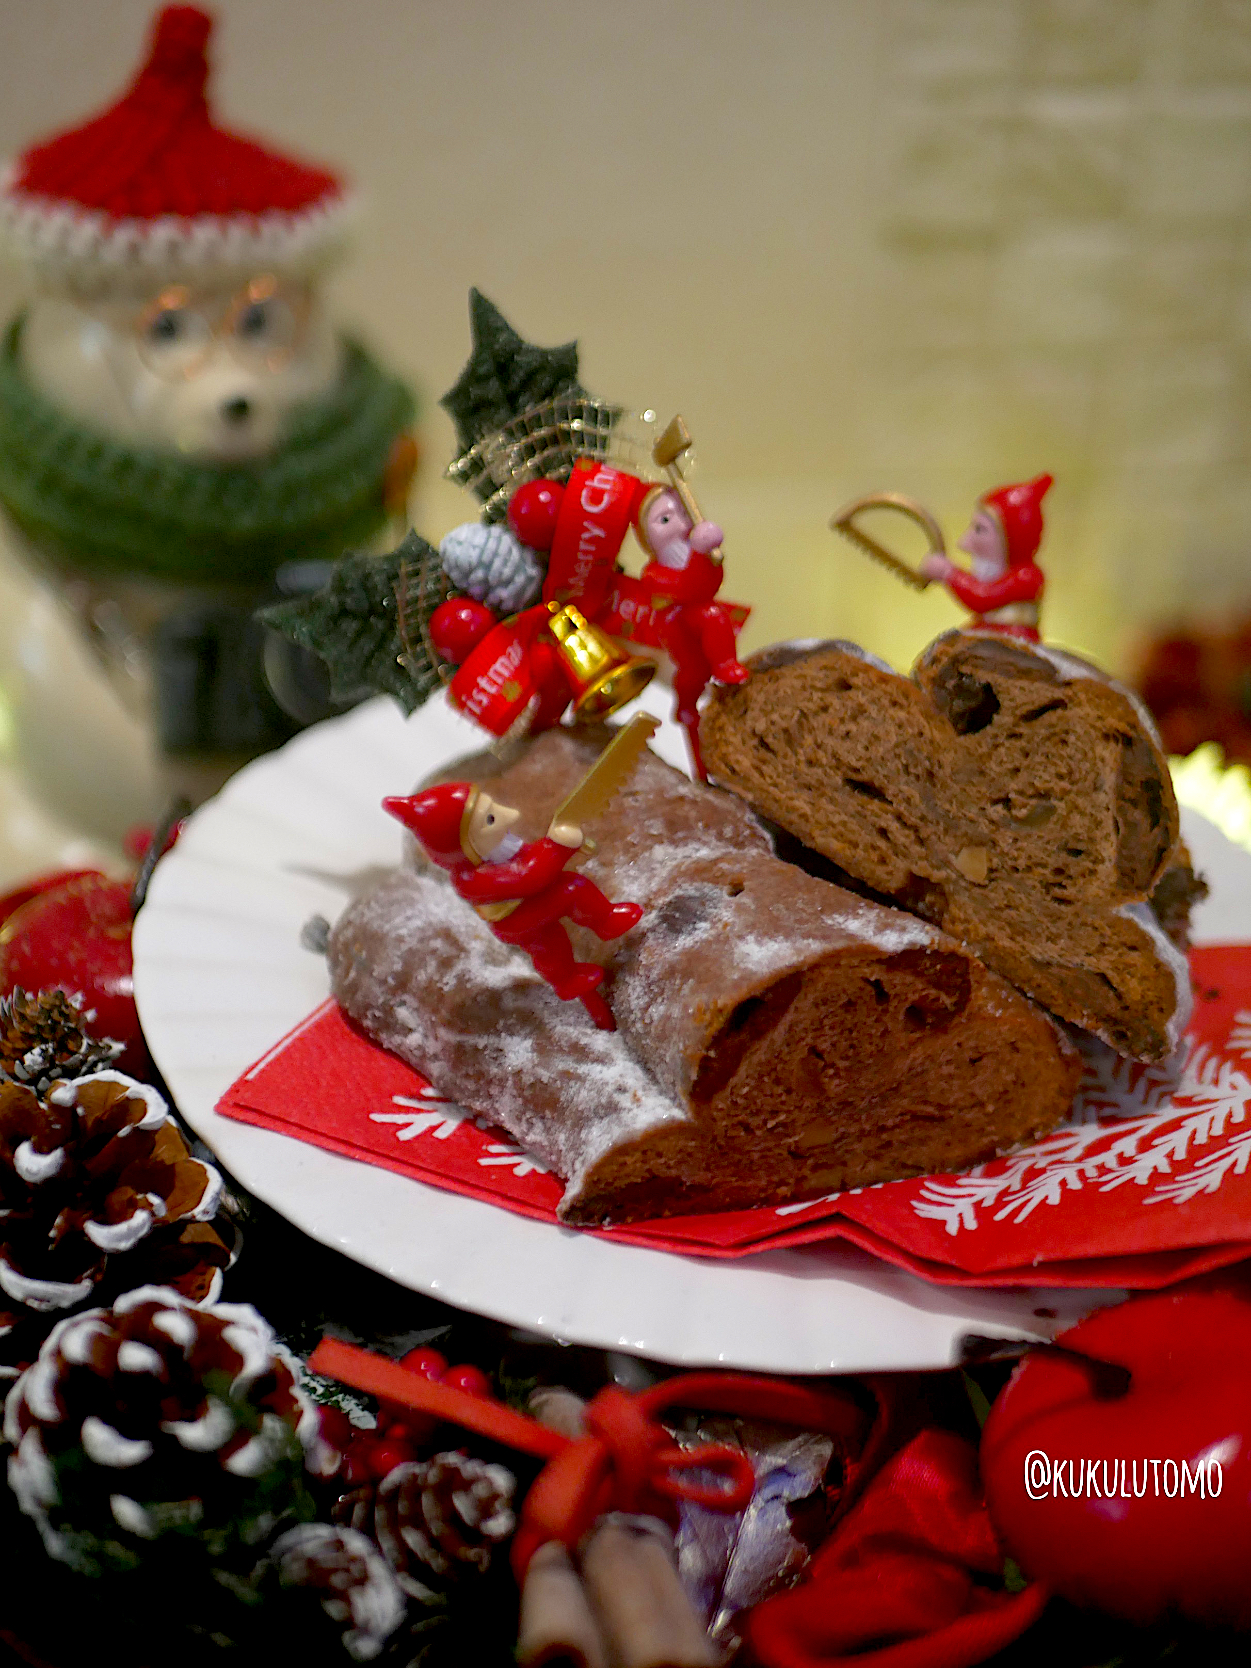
(11, 902)
(75, 936)
(1161, 1521)
(532, 512)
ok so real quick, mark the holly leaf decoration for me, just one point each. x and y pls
(366, 623)
(504, 375)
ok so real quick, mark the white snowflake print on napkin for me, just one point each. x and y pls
(432, 1114)
(516, 1159)
(1132, 1125)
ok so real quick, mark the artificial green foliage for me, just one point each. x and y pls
(354, 623)
(102, 507)
(216, 1529)
(504, 375)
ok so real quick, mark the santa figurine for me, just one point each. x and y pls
(184, 435)
(1005, 588)
(521, 890)
(683, 578)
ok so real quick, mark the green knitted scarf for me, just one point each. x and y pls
(106, 508)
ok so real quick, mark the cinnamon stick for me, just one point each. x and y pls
(556, 1627)
(559, 1409)
(631, 1580)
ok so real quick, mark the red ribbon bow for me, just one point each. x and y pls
(627, 1461)
(895, 1585)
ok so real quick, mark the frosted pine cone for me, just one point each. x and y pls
(441, 1518)
(95, 1178)
(42, 1040)
(345, 1572)
(157, 1418)
(491, 565)
(355, 1508)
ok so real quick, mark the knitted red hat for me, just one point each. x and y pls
(151, 189)
(1019, 509)
(436, 816)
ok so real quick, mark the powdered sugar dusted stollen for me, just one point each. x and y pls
(427, 978)
(778, 1037)
(1012, 794)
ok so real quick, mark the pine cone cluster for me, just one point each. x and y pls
(491, 565)
(96, 1180)
(345, 1574)
(158, 1420)
(435, 1520)
(439, 1519)
(42, 1040)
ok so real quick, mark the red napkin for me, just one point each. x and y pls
(1149, 1181)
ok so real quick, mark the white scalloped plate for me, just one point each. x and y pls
(220, 976)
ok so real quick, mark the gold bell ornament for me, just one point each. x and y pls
(602, 674)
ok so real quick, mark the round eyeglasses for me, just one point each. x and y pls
(261, 326)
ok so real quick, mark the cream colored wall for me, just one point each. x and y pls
(924, 244)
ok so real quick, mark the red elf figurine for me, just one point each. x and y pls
(682, 578)
(1006, 585)
(519, 889)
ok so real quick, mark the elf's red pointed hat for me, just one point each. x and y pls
(152, 190)
(1019, 509)
(437, 816)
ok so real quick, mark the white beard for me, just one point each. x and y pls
(508, 847)
(988, 567)
(672, 560)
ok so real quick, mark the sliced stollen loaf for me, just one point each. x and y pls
(1011, 794)
(779, 1037)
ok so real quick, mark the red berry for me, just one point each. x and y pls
(336, 1428)
(472, 1380)
(458, 626)
(426, 1363)
(532, 512)
(76, 936)
(356, 1468)
(404, 1423)
(420, 1427)
(385, 1456)
(411, 1428)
